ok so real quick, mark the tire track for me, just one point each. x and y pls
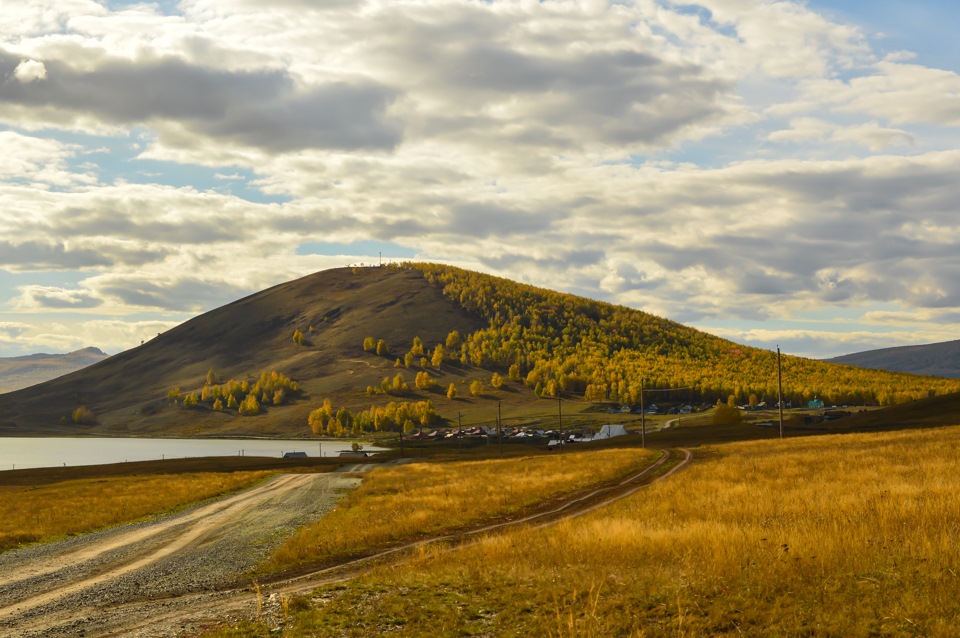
(165, 616)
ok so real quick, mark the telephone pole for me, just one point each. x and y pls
(780, 391)
(459, 434)
(560, 418)
(643, 418)
(499, 430)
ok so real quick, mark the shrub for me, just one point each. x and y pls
(83, 416)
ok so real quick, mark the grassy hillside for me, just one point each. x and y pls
(23, 372)
(492, 340)
(127, 393)
(843, 535)
(938, 359)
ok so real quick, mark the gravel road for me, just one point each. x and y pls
(101, 584)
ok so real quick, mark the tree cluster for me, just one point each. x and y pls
(564, 344)
(248, 399)
(392, 417)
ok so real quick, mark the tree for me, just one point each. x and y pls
(452, 392)
(417, 348)
(399, 385)
(174, 395)
(408, 359)
(83, 416)
(408, 426)
(250, 406)
(218, 405)
(231, 401)
(753, 400)
(298, 337)
(453, 339)
(476, 387)
(436, 359)
(191, 400)
(424, 381)
(382, 349)
(370, 344)
(496, 381)
(424, 362)
(212, 378)
(514, 372)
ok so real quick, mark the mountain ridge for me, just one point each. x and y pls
(27, 370)
(933, 359)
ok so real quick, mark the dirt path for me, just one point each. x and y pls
(197, 550)
(169, 578)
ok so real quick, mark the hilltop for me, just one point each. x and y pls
(935, 359)
(31, 369)
(457, 326)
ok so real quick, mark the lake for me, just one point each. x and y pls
(27, 452)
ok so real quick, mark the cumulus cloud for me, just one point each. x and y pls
(30, 71)
(733, 160)
(40, 298)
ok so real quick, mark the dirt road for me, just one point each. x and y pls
(83, 586)
(173, 576)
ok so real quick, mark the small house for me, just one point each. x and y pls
(294, 455)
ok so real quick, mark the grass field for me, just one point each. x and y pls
(43, 512)
(844, 535)
(404, 502)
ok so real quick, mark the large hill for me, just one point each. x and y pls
(935, 359)
(543, 343)
(25, 371)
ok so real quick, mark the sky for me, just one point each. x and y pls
(775, 172)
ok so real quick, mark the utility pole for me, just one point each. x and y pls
(560, 418)
(643, 418)
(499, 430)
(459, 434)
(780, 391)
(402, 455)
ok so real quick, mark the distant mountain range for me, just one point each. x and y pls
(25, 371)
(934, 359)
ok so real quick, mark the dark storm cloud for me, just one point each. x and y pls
(263, 108)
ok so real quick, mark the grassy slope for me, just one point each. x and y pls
(33, 513)
(127, 392)
(844, 535)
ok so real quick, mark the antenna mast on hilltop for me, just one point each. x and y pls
(779, 391)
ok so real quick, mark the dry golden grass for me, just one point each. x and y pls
(32, 514)
(852, 535)
(405, 501)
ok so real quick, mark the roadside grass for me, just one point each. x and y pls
(841, 535)
(407, 501)
(45, 512)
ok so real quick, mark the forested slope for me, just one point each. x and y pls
(558, 342)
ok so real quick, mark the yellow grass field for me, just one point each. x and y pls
(846, 535)
(406, 501)
(44, 512)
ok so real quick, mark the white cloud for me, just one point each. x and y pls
(30, 71)
(631, 150)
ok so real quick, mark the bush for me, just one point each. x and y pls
(726, 414)
(83, 416)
